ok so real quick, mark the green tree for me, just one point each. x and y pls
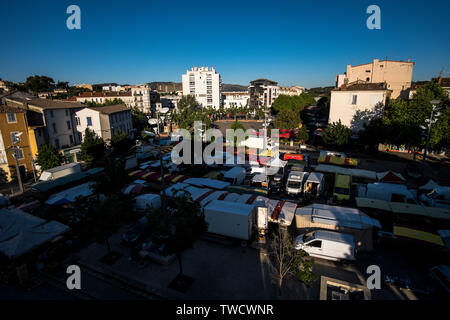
(93, 147)
(297, 103)
(48, 157)
(121, 143)
(287, 119)
(287, 261)
(336, 134)
(301, 135)
(37, 84)
(178, 228)
(113, 178)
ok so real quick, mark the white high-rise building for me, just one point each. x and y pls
(205, 84)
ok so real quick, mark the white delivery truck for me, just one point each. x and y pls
(295, 181)
(61, 171)
(236, 175)
(231, 219)
(327, 245)
(147, 201)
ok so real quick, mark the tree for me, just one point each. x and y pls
(286, 260)
(297, 103)
(336, 134)
(180, 226)
(113, 178)
(104, 217)
(301, 135)
(3, 176)
(93, 147)
(121, 142)
(48, 157)
(287, 119)
(188, 102)
(138, 119)
(39, 84)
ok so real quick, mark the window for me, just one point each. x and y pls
(68, 125)
(354, 99)
(19, 153)
(315, 244)
(367, 79)
(15, 137)
(89, 121)
(67, 112)
(11, 116)
(71, 139)
(78, 121)
(56, 143)
(51, 113)
(54, 127)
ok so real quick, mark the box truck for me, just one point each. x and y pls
(235, 175)
(60, 171)
(327, 245)
(231, 219)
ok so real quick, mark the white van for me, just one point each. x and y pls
(329, 245)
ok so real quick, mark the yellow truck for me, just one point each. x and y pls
(342, 186)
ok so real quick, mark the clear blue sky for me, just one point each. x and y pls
(293, 42)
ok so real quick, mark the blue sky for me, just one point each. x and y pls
(293, 42)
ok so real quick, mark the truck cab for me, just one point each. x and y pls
(294, 184)
(342, 186)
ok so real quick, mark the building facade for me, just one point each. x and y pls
(101, 97)
(262, 93)
(396, 74)
(235, 99)
(14, 132)
(291, 91)
(356, 104)
(204, 84)
(52, 121)
(105, 121)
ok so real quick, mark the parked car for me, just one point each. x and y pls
(137, 232)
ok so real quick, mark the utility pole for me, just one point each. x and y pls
(430, 121)
(19, 178)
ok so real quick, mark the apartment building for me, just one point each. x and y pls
(101, 97)
(166, 87)
(105, 121)
(84, 85)
(235, 99)
(6, 85)
(355, 104)
(291, 91)
(263, 93)
(14, 132)
(205, 84)
(396, 74)
(52, 121)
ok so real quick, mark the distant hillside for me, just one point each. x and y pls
(233, 87)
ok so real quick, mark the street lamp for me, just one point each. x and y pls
(15, 148)
(429, 122)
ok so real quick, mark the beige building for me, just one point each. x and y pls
(357, 103)
(396, 74)
(291, 91)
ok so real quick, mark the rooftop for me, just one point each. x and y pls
(47, 103)
(264, 81)
(110, 109)
(6, 109)
(357, 86)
